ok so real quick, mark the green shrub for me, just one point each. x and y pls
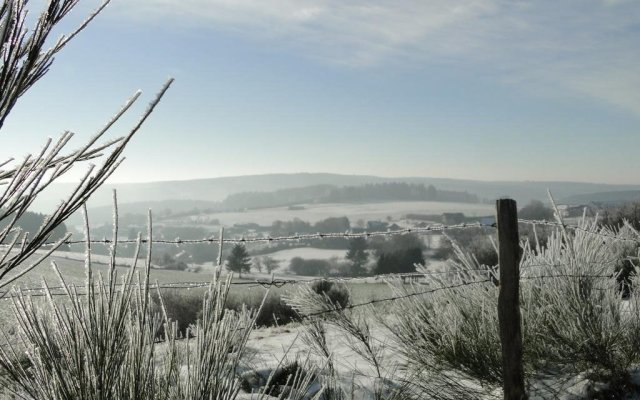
(300, 266)
(284, 377)
(399, 262)
(338, 294)
(274, 310)
(185, 308)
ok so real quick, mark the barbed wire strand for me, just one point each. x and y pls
(220, 240)
(296, 237)
(380, 278)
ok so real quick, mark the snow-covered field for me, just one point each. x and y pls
(365, 211)
(307, 253)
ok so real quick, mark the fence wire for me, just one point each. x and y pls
(288, 238)
(273, 282)
(344, 235)
(412, 278)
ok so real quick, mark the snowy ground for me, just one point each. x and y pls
(267, 347)
(365, 211)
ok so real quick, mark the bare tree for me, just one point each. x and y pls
(25, 60)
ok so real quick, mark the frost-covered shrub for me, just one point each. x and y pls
(311, 267)
(575, 317)
(271, 310)
(575, 321)
(182, 307)
(284, 377)
(102, 342)
(337, 294)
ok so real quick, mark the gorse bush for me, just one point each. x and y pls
(310, 267)
(183, 308)
(270, 309)
(106, 340)
(355, 331)
(575, 322)
(102, 346)
(284, 377)
(337, 294)
(27, 53)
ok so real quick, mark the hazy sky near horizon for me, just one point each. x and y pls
(477, 89)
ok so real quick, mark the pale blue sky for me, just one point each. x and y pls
(478, 89)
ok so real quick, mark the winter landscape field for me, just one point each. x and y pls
(360, 211)
(320, 200)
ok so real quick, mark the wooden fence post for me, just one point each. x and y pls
(509, 300)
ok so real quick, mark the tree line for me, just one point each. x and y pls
(388, 191)
(365, 257)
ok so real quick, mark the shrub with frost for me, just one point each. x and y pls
(577, 325)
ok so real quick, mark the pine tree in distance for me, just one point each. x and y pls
(239, 260)
(358, 255)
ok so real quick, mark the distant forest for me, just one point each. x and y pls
(30, 222)
(135, 213)
(392, 191)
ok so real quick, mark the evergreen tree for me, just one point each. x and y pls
(239, 260)
(399, 262)
(358, 255)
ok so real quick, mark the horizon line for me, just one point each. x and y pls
(361, 175)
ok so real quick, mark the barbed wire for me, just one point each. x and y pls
(394, 298)
(220, 240)
(329, 235)
(368, 303)
(290, 238)
(274, 282)
(610, 276)
(280, 282)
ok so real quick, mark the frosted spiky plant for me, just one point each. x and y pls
(100, 341)
(576, 324)
(24, 60)
(356, 329)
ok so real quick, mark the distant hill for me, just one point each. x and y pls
(605, 198)
(104, 214)
(369, 193)
(217, 189)
(213, 189)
